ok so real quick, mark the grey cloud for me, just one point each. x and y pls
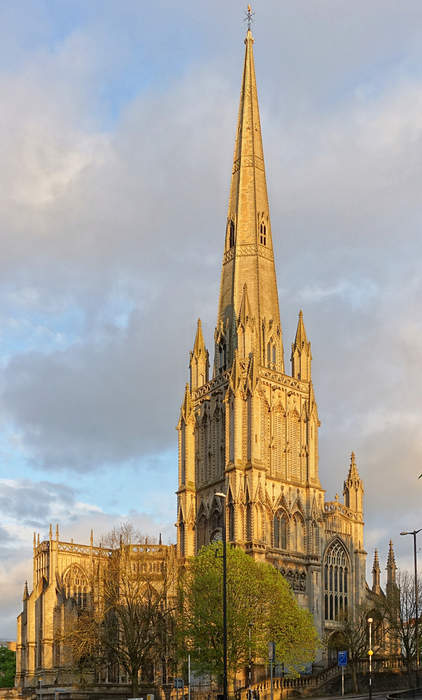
(139, 210)
(33, 503)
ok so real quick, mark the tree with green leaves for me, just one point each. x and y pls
(7, 667)
(260, 602)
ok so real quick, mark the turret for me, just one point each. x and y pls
(25, 592)
(391, 571)
(376, 587)
(199, 361)
(353, 488)
(301, 353)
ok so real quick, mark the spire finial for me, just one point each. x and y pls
(249, 17)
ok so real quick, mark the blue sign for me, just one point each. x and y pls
(342, 658)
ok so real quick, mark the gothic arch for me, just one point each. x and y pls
(216, 519)
(75, 583)
(201, 527)
(281, 529)
(298, 532)
(336, 577)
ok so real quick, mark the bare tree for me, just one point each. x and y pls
(128, 619)
(352, 635)
(400, 614)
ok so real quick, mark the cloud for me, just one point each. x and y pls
(26, 505)
(116, 161)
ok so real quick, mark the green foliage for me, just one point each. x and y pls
(7, 668)
(259, 602)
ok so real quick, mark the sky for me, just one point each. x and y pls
(117, 131)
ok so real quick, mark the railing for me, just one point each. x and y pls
(281, 686)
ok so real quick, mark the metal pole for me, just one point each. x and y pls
(225, 693)
(223, 537)
(414, 533)
(250, 663)
(271, 676)
(342, 681)
(188, 676)
(370, 658)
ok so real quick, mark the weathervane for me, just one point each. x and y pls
(249, 16)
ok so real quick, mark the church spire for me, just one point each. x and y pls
(199, 363)
(353, 488)
(301, 353)
(376, 574)
(248, 254)
(391, 566)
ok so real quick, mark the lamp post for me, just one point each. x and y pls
(415, 561)
(370, 652)
(250, 662)
(223, 538)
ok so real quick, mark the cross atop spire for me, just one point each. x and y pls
(249, 17)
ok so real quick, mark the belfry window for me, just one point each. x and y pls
(263, 234)
(335, 582)
(231, 234)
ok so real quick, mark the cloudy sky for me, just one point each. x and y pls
(117, 126)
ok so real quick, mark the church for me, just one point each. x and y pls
(248, 429)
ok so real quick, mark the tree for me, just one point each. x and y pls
(259, 600)
(353, 636)
(399, 610)
(128, 618)
(7, 667)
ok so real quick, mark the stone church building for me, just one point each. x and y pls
(248, 427)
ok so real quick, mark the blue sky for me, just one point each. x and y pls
(116, 134)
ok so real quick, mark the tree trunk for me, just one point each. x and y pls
(355, 678)
(135, 686)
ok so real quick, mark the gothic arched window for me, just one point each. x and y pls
(248, 521)
(280, 530)
(201, 536)
(231, 520)
(336, 581)
(298, 533)
(76, 585)
(231, 233)
(263, 234)
(182, 538)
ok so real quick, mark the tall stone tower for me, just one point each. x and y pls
(251, 431)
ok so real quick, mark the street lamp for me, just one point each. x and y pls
(250, 661)
(223, 538)
(414, 533)
(370, 652)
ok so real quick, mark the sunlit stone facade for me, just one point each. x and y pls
(250, 429)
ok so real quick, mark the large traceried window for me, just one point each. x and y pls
(76, 585)
(336, 582)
